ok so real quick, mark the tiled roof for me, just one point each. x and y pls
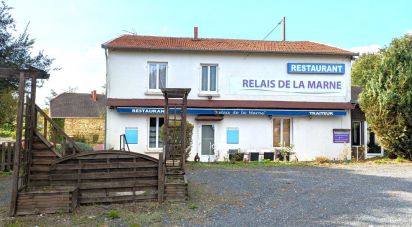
(77, 105)
(223, 45)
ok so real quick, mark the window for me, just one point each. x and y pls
(209, 78)
(356, 133)
(154, 132)
(232, 136)
(281, 132)
(131, 135)
(157, 75)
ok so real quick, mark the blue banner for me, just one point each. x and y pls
(257, 112)
(316, 68)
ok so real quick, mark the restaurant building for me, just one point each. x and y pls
(246, 95)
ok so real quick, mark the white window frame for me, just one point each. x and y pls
(157, 133)
(281, 130)
(208, 92)
(157, 89)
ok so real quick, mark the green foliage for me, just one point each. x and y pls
(386, 98)
(174, 136)
(193, 206)
(16, 52)
(113, 214)
(285, 151)
(95, 138)
(236, 157)
(8, 110)
(84, 146)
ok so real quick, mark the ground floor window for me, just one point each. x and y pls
(281, 132)
(131, 134)
(232, 136)
(154, 132)
(356, 133)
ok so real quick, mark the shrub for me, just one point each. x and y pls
(95, 138)
(189, 134)
(114, 214)
(236, 157)
(84, 146)
(322, 159)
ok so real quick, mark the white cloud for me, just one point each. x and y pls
(409, 32)
(373, 48)
(84, 70)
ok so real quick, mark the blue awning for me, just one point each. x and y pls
(256, 112)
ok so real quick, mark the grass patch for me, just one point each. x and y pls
(193, 206)
(113, 214)
(5, 174)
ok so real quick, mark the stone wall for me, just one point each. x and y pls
(88, 130)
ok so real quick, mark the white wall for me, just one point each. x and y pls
(311, 137)
(128, 74)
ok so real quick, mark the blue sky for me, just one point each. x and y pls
(72, 31)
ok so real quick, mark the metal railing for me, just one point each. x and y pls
(124, 143)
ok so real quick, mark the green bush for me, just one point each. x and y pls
(236, 157)
(386, 98)
(84, 146)
(114, 214)
(174, 136)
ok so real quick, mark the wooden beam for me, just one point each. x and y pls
(19, 127)
(12, 73)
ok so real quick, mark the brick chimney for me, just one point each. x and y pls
(195, 33)
(94, 96)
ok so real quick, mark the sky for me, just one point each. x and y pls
(72, 31)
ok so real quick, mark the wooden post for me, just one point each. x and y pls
(9, 166)
(160, 177)
(19, 126)
(3, 157)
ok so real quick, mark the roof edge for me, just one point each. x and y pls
(350, 54)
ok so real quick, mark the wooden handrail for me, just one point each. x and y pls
(48, 120)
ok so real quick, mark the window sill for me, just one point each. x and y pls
(153, 92)
(154, 150)
(203, 94)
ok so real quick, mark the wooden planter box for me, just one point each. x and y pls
(47, 201)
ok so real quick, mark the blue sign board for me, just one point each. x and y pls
(341, 135)
(261, 112)
(316, 68)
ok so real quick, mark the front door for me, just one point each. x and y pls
(208, 143)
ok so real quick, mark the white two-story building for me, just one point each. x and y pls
(245, 94)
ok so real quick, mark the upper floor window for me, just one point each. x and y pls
(157, 75)
(209, 78)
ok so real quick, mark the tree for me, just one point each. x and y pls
(15, 52)
(386, 99)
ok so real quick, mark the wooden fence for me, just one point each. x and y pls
(110, 176)
(6, 156)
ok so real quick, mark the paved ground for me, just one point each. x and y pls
(340, 195)
(310, 196)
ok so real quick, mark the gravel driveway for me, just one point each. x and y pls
(5, 190)
(350, 195)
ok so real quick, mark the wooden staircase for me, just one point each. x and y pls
(45, 143)
(174, 140)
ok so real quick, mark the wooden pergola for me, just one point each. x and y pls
(29, 73)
